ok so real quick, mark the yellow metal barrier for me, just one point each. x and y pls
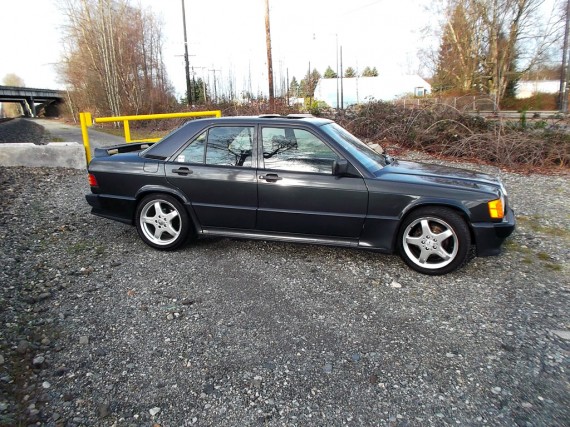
(86, 121)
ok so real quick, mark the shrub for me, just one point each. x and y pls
(442, 130)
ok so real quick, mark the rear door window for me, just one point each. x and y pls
(221, 146)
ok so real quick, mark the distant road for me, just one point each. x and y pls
(69, 133)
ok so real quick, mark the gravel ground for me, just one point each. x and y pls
(99, 329)
(22, 130)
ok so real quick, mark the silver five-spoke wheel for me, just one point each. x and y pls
(162, 221)
(434, 240)
(430, 242)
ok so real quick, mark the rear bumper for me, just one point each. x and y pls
(489, 236)
(112, 207)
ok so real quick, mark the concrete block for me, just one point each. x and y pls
(54, 154)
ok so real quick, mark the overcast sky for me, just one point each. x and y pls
(229, 36)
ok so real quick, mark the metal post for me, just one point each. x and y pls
(337, 91)
(309, 84)
(341, 86)
(287, 93)
(85, 121)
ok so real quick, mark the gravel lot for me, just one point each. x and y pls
(99, 329)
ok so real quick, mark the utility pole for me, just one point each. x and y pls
(337, 76)
(563, 101)
(215, 86)
(269, 60)
(186, 60)
(341, 87)
(287, 93)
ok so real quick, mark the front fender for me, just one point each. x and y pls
(435, 201)
(381, 231)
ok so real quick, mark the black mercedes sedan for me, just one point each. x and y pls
(298, 179)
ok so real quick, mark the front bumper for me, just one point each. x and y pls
(489, 236)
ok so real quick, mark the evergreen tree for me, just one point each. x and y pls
(350, 72)
(294, 88)
(457, 60)
(329, 73)
(370, 72)
(309, 83)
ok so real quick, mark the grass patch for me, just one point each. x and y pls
(530, 257)
(553, 267)
(56, 139)
(533, 222)
(515, 246)
(77, 248)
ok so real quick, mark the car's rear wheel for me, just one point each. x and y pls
(434, 240)
(162, 222)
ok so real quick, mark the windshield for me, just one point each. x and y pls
(369, 158)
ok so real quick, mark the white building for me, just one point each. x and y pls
(528, 88)
(360, 90)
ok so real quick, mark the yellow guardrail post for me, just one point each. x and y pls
(127, 129)
(86, 121)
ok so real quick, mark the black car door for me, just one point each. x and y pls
(297, 191)
(216, 171)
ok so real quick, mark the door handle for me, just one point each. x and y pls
(182, 171)
(270, 177)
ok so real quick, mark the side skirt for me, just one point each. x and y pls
(279, 237)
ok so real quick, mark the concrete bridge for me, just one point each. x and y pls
(48, 99)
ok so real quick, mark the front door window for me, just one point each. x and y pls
(296, 150)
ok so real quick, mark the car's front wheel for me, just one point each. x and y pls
(434, 240)
(162, 222)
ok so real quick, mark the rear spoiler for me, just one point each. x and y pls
(121, 148)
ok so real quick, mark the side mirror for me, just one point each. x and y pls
(340, 167)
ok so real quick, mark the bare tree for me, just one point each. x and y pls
(12, 109)
(113, 61)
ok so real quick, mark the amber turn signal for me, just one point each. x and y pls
(93, 181)
(496, 209)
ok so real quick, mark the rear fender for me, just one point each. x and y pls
(157, 189)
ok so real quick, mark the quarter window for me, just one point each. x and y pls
(296, 150)
(194, 152)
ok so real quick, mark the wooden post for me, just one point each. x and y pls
(269, 59)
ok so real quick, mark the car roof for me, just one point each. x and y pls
(271, 118)
(172, 142)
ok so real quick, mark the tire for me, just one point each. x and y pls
(162, 222)
(434, 240)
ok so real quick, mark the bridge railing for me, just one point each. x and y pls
(86, 121)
